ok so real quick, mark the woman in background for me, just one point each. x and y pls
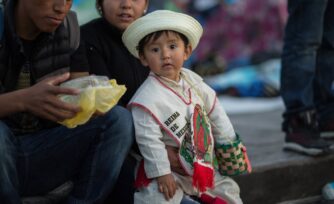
(105, 50)
(107, 56)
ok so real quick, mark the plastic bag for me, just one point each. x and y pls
(97, 93)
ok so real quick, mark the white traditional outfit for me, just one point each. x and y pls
(162, 110)
(186, 115)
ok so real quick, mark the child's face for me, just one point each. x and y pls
(165, 56)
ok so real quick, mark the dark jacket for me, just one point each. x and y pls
(50, 54)
(51, 51)
(108, 56)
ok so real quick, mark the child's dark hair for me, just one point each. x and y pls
(155, 36)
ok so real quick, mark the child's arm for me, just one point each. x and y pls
(221, 126)
(152, 148)
(222, 129)
(174, 161)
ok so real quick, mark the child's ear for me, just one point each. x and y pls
(187, 52)
(143, 60)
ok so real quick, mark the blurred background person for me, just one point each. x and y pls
(307, 76)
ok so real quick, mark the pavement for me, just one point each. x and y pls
(278, 176)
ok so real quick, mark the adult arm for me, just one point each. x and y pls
(41, 100)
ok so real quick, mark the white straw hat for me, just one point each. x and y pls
(161, 20)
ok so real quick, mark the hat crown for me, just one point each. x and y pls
(161, 20)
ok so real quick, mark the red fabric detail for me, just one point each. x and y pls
(207, 199)
(249, 167)
(141, 179)
(194, 125)
(201, 133)
(203, 177)
(218, 200)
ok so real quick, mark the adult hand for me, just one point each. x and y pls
(167, 185)
(41, 99)
(173, 157)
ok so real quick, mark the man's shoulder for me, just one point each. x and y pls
(71, 24)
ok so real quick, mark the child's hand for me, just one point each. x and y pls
(167, 185)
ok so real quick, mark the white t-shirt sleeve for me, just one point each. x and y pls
(222, 128)
(152, 148)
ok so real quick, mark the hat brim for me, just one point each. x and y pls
(161, 20)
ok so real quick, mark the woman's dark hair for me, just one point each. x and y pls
(99, 7)
(155, 35)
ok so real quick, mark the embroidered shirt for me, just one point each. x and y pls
(147, 109)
